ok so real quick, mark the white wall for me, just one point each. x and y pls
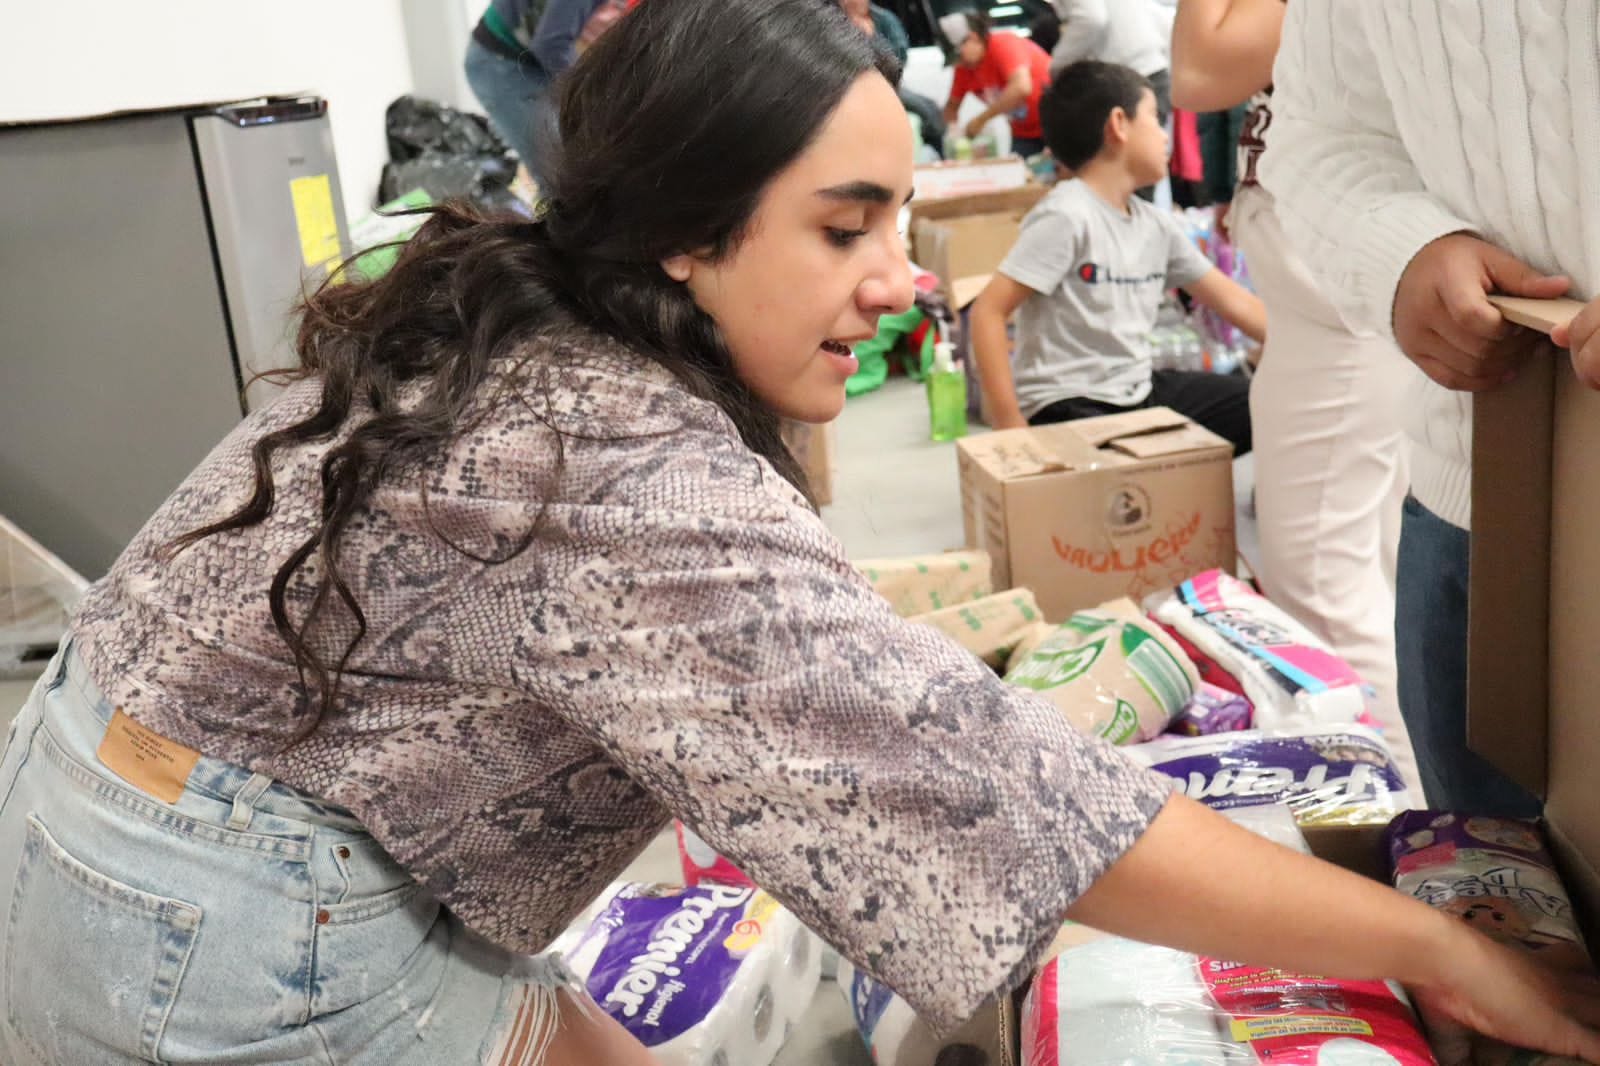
(63, 60)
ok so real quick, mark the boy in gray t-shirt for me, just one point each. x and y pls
(1088, 271)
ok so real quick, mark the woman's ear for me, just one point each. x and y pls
(678, 267)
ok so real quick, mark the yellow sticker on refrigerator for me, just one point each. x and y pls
(314, 218)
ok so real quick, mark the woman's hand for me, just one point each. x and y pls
(1499, 992)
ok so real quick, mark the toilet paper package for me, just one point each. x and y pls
(1112, 1002)
(895, 1036)
(701, 862)
(1290, 677)
(919, 584)
(1494, 873)
(1212, 710)
(1111, 672)
(1326, 776)
(1106, 1001)
(714, 975)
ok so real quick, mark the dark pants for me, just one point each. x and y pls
(1219, 402)
(1026, 146)
(931, 114)
(1430, 644)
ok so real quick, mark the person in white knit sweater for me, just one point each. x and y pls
(1325, 402)
(1424, 154)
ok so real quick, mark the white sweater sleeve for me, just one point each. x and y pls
(1348, 195)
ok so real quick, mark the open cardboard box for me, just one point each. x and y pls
(1533, 679)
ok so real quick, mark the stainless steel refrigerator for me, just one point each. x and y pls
(148, 265)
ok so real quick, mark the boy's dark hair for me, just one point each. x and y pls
(979, 22)
(1074, 109)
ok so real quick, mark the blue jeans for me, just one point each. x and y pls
(1430, 643)
(245, 922)
(515, 93)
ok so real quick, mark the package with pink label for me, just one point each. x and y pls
(702, 862)
(1106, 1001)
(1241, 641)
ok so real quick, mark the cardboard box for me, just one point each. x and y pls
(989, 628)
(964, 242)
(942, 181)
(813, 448)
(1087, 511)
(1533, 678)
(918, 584)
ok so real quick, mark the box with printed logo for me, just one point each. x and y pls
(1087, 511)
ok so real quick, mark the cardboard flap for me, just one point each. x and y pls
(1573, 788)
(1146, 434)
(1509, 618)
(1013, 453)
(1542, 315)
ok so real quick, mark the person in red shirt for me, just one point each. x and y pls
(1007, 72)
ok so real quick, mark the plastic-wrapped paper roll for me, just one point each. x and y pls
(715, 975)
(1242, 640)
(919, 584)
(1111, 672)
(1114, 1002)
(895, 1036)
(1327, 776)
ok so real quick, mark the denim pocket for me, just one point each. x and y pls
(92, 964)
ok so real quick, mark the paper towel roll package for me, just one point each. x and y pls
(1112, 672)
(895, 1036)
(1242, 641)
(714, 975)
(1326, 776)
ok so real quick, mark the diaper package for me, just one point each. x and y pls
(920, 584)
(1111, 672)
(895, 1036)
(1327, 776)
(1494, 873)
(1234, 633)
(701, 862)
(1213, 710)
(990, 627)
(713, 975)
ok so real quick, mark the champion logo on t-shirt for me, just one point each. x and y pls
(1095, 274)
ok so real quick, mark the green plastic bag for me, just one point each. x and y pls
(874, 355)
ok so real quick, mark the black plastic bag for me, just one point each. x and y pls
(418, 126)
(448, 154)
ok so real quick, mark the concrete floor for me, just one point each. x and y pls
(896, 493)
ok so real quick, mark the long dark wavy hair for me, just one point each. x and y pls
(672, 126)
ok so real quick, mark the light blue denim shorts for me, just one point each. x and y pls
(245, 923)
